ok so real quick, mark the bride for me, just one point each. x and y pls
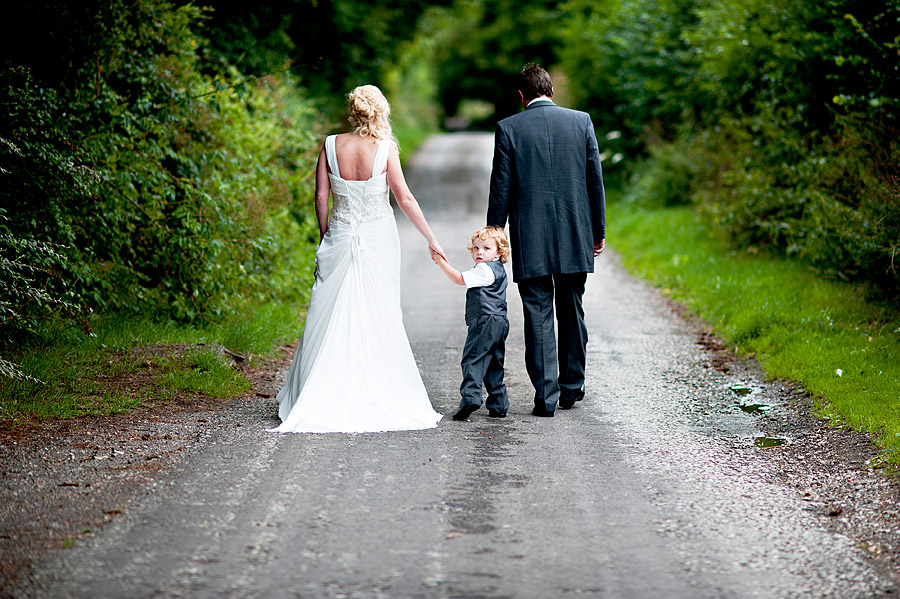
(354, 370)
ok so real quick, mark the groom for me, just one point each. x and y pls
(546, 180)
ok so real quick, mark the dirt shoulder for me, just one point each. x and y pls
(64, 479)
(835, 471)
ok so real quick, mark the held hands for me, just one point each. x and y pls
(436, 250)
(438, 258)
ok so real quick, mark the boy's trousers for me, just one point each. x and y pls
(482, 362)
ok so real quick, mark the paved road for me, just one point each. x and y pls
(652, 487)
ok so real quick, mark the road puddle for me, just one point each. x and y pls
(766, 442)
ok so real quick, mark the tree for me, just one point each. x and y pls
(479, 47)
(331, 45)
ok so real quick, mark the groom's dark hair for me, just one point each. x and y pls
(535, 81)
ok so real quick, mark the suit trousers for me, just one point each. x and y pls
(556, 371)
(482, 362)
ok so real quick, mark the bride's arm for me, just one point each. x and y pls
(323, 189)
(407, 202)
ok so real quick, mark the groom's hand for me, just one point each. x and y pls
(599, 246)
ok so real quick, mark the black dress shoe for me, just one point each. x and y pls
(541, 412)
(464, 412)
(496, 413)
(569, 403)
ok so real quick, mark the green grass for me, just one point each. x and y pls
(823, 334)
(203, 371)
(69, 386)
(79, 372)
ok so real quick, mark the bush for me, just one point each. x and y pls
(780, 118)
(667, 176)
(835, 206)
(152, 187)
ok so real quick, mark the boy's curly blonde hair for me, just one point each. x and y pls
(498, 235)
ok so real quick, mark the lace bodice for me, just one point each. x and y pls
(357, 202)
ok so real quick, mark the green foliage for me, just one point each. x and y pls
(27, 269)
(411, 88)
(479, 46)
(835, 206)
(35, 270)
(778, 118)
(331, 46)
(251, 37)
(630, 65)
(800, 57)
(136, 183)
(823, 334)
(667, 176)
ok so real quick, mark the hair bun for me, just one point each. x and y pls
(363, 106)
(369, 112)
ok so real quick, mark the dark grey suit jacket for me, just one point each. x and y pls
(547, 181)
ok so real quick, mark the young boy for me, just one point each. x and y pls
(482, 358)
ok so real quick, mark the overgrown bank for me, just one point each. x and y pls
(152, 195)
(157, 167)
(777, 119)
(774, 125)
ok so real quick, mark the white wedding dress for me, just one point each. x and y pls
(354, 370)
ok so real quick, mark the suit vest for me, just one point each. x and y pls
(488, 299)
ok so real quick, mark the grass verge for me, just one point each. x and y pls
(132, 362)
(825, 335)
(202, 371)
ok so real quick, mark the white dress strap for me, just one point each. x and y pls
(381, 157)
(331, 156)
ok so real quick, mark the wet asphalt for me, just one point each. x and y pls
(654, 486)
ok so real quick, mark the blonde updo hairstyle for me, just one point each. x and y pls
(370, 113)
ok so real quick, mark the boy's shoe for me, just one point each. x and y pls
(541, 412)
(496, 413)
(465, 411)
